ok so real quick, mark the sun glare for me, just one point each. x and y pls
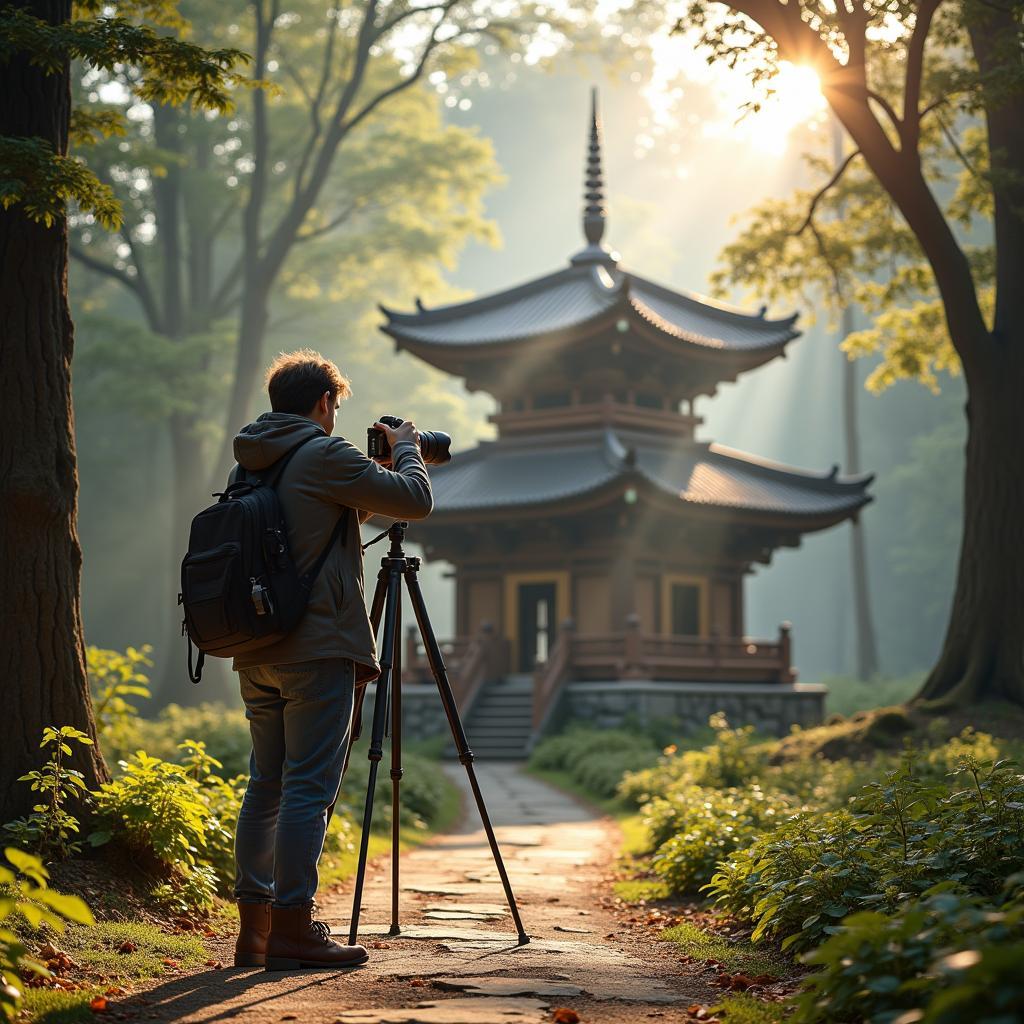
(791, 99)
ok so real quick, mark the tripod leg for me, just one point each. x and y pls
(396, 766)
(380, 706)
(451, 710)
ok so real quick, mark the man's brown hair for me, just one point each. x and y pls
(296, 381)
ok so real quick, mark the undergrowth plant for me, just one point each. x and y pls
(898, 840)
(115, 679)
(159, 811)
(25, 895)
(49, 829)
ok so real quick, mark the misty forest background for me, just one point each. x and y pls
(496, 200)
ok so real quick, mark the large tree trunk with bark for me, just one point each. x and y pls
(42, 652)
(983, 654)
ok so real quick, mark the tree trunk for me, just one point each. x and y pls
(42, 651)
(983, 654)
(867, 647)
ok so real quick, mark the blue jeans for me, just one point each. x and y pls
(299, 719)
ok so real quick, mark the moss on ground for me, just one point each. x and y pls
(744, 1009)
(735, 955)
(879, 730)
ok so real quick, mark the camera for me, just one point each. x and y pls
(435, 445)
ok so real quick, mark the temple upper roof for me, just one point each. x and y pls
(589, 294)
(593, 298)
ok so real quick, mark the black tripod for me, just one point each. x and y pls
(387, 598)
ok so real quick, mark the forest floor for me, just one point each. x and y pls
(457, 960)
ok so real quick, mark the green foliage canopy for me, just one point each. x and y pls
(166, 69)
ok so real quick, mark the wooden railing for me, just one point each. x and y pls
(626, 654)
(631, 654)
(470, 662)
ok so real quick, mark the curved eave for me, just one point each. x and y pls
(459, 358)
(658, 495)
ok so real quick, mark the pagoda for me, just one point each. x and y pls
(600, 546)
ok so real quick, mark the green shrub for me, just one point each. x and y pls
(222, 727)
(49, 828)
(159, 810)
(732, 757)
(595, 759)
(947, 958)
(899, 838)
(24, 892)
(698, 826)
(115, 679)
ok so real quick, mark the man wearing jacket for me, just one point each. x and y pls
(298, 692)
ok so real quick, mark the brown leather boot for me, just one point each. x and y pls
(296, 940)
(253, 929)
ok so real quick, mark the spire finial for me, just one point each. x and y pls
(593, 195)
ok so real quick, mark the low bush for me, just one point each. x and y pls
(897, 840)
(222, 727)
(25, 896)
(697, 827)
(595, 760)
(946, 958)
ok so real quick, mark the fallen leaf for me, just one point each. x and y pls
(127, 947)
(563, 1015)
(417, 982)
(98, 1004)
(168, 962)
(215, 964)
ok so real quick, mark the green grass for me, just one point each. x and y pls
(744, 1009)
(49, 1006)
(735, 955)
(847, 695)
(97, 948)
(633, 890)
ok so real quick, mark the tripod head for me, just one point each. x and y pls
(396, 531)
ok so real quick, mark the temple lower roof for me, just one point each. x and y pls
(579, 295)
(530, 473)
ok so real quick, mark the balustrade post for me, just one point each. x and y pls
(411, 659)
(492, 670)
(633, 660)
(786, 673)
(716, 650)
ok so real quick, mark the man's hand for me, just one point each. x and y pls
(406, 432)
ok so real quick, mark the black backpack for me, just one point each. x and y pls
(240, 588)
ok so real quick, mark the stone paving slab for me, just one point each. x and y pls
(508, 986)
(471, 1010)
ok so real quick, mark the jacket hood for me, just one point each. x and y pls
(273, 435)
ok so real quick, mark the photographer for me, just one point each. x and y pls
(298, 692)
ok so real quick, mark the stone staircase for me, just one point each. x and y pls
(500, 722)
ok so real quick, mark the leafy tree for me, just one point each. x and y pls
(918, 86)
(387, 217)
(40, 559)
(403, 197)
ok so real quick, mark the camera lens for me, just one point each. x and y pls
(435, 447)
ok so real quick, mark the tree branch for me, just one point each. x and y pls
(335, 222)
(808, 221)
(878, 98)
(117, 274)
(911, 133)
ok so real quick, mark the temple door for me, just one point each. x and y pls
(537, 610)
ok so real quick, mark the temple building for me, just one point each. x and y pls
(599, 544)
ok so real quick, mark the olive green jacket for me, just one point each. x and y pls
(323, 477)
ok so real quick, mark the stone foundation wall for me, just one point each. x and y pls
(770, 707)
(423, 715)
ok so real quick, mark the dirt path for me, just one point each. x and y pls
(457, 961)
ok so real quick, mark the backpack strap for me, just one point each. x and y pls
(340, 528)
